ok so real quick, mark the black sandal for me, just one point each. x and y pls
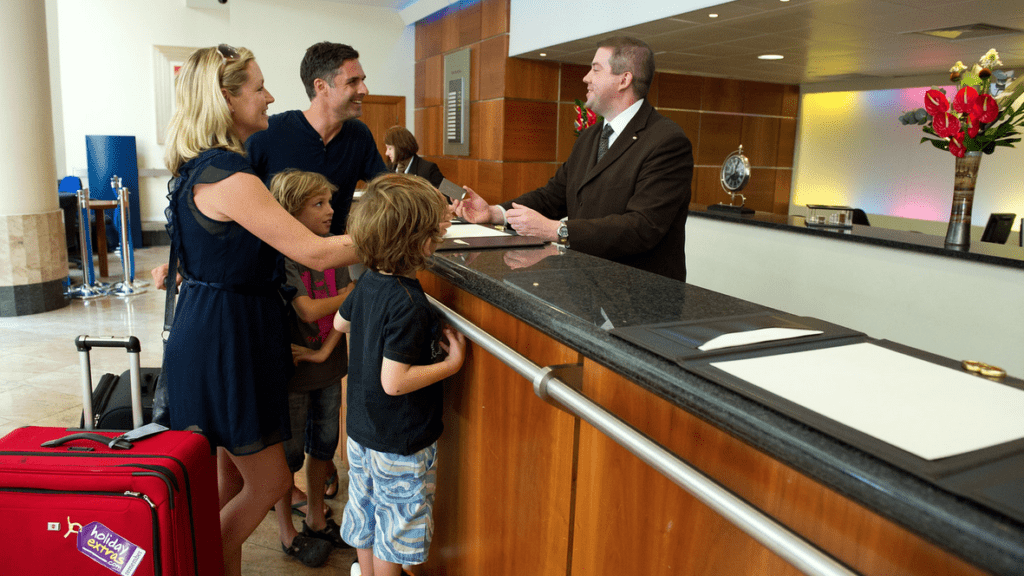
(310, 551)
(331, 534)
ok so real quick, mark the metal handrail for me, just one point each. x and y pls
(793, 548)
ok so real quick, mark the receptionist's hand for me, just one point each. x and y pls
(529, 222)
(472, 208)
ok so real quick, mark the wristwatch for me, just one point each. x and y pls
(563, 234)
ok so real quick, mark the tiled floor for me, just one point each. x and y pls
(40, 383)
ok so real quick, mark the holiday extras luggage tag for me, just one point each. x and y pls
(109, 549)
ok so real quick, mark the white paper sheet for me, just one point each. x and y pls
(928, 410)
(472, 231)
(754, 337)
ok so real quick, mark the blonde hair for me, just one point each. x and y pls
(202, 119)
(392, 221)
(292, 188)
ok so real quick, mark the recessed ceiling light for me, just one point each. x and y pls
(712, 15)
(543, 54)
(770, 57)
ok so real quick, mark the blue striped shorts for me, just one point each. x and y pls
(390, 503)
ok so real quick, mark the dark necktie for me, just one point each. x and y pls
(602, 145)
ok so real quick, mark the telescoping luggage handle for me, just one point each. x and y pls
(132, 345)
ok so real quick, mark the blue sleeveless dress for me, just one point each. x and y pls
(227, 360)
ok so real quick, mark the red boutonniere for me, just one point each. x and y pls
(585, 118)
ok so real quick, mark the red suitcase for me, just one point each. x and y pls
(87, 505)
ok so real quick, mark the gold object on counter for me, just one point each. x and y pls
(986, 370)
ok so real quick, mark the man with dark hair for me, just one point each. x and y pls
(624, 192)
(326, 138)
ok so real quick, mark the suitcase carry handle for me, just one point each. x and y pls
(131, 344)
(113, 443)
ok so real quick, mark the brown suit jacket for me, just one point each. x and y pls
(630, 207)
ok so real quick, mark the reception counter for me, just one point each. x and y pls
(525, 487)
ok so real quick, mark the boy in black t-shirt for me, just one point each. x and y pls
(397, 361)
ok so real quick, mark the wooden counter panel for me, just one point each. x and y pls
(505, 465)
(632, 520)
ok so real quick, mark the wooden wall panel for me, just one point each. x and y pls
(493, 18)
(486, 124)
(760, 191)
(474, 72)
(571, 86)
(681, 91)
(470, 23)
(689, 122)
(419, 84)
(762, 98)
(722, 95)
(719, 137)
(522, 177)
(790, 101)
(484, 177)
(428, 130)
(566, 130)
(493, 54)
(505, 459)
(449, 167)
(707, 187)
(787, 142)
(428, 38)
(682, 536)
(433, 82)
(760, 139)
(530, 131)
(783, 187)
(531, 79)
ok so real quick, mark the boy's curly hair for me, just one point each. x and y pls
(392, 221)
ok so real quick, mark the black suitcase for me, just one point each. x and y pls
(112, 400)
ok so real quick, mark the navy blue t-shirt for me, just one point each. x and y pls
(391, 318)
(291, 142)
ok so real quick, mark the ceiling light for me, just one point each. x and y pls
(542, 54)
(770, 57)
(712, 15)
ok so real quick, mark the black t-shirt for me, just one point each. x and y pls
(391, 318)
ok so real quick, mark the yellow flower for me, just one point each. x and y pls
(957, 68)
(990, 59)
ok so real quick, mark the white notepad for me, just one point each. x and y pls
(928, 410)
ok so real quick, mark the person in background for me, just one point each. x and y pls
(314, 391)
(395, 398)
(624, 192)
(326, 138)
(227, 355)
(401, 148)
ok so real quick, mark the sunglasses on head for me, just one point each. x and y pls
(228, 53)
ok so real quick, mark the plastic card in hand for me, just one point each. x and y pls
(452, 190)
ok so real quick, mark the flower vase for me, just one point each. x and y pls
(958, 234)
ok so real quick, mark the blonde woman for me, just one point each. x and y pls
(228, 359)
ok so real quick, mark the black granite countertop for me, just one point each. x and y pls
(576, 299)
(1009, 255)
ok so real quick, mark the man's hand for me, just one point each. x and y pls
(529, 222)
(472, 208)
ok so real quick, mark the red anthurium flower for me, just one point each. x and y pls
(956, 145)
(935, 102)
(945, 125)
(973, 125)
(591, 116)
(964, 100)
(985, 109)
